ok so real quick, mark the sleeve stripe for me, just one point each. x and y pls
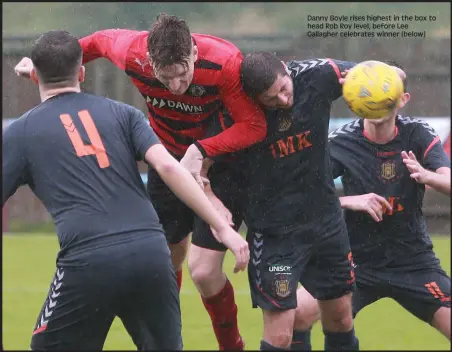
(336, 69)
(435, 140)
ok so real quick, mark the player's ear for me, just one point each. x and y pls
(149, 59)
(34, 76)
(195, 53)
(81, 74)
(286, 68)
(404, 99)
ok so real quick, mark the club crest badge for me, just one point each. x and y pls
(284, 121)
(388, 170)
(282, 288)
(197, 91)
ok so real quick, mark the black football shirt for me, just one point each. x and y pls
(287, 177)
(368, 167)
(78, 154)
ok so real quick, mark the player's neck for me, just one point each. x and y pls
(382, 133)
(47, 93)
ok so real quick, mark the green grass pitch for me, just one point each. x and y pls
(29, 264)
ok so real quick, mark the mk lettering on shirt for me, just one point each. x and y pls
(290, 145)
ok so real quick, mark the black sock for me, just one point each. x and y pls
(341, 341)
(301, 340)
(265, 346)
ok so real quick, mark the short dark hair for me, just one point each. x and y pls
(57, 57)
(259, 71)
(396, 64)
(169, 42)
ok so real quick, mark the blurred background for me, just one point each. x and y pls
(277, 27)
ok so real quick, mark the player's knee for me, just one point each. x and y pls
(280, 336)
(201, 273)
(441, 321)
(337, 314)
(204, 271)
(307, 312)
(282, 339)
(278, 328)
(306, 317)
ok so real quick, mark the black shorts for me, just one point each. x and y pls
(176, 218)
(279, 263)
(134, 281)
(225, 182)
(421, 291)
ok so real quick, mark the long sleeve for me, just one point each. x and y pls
(111, 44)
(249, 119)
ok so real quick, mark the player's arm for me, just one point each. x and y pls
(14, 171)
(250, 124)
(327, 75)
(178, 179)
(371, 203)
(432, 166)
(111, 44)
(249, 127)
(211, 196)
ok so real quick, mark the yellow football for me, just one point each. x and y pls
(372, 90)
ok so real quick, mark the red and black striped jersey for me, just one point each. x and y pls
(181, 120)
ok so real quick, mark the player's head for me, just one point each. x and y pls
(403, 100)
(172, 53)
(57, 60)
(265, 78)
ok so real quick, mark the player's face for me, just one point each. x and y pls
(279, 95)
(178, 77)
(404, 99)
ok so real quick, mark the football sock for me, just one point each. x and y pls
(179, 279)
(223, 313)
(301, 340)
(265, 346)
(341, 341)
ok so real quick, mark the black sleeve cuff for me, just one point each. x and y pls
(201, 149)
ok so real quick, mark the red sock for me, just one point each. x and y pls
(179, 279)
(223, 313)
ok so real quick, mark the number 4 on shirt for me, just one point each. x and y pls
(96, 147)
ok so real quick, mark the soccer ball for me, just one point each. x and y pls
(372, 90)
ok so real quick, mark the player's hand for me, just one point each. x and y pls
(343, 76)
(24, 67)
(418, 173)
(238, 246)
(371, 203)
(192, 161)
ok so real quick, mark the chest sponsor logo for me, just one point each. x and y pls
(291, 144)
(174, 105)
